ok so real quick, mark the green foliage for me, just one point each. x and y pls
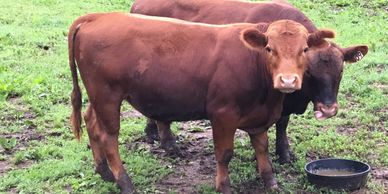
(7, 144)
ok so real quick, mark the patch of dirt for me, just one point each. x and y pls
(311, 156)
(196, 168)
(18, 106)
(382, 122)
(379, 67)
(28, 115)
(198, 165)
(380, 175)
(22, 140)
(250, 187)
(351, 129)
(22, 137)
(12, 190)
(131, 114)
(4, 167)
(346, 130)
(381, 86)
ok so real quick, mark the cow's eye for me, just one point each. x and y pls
(268, 49)
(306, 49)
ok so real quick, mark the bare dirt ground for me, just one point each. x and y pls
(380, 175)
(26, 134)
(197, 166)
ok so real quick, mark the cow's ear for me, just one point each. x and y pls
(318, 38)
(354, 53)
(253, 39)
(262, 27)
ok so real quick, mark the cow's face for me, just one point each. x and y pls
(285, 44)
(324, 74)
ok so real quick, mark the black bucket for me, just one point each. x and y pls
(337, 173)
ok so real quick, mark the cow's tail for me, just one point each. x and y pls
(76, 97)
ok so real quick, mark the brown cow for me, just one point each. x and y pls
(323, 76)
(171, 70)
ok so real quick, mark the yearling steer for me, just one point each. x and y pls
(171, 70)
(324, 72)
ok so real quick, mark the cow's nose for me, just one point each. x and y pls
(330, 110)
(324, 111)
(288, 81)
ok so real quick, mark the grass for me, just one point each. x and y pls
(35, 89)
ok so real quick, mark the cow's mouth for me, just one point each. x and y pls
(320, 116)
(287, 91)
(323, 112)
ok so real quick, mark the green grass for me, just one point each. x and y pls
(35, 87)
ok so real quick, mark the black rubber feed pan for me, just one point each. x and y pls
(337, 173)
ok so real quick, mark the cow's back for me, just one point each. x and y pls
(222, 11)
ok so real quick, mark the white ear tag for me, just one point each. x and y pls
(359, 56)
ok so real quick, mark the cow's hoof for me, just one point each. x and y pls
(286, 157)
(152, 135)
(174, 151)
(269, 180)
(273, 188)
(105, 172)
(224, 189)
(107, 176)
(152, 132)
(270, 183)
(125, 184)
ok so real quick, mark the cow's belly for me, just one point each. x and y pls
(170, 110)
(169, 100)
(260, 119)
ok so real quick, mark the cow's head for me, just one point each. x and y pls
(285, 44)
(324, 74)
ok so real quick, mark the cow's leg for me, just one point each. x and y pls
(94, 132)
(264, 166)
(167, 139)
(223, 146)
(107, 108)
(282, 145)
(151, 130)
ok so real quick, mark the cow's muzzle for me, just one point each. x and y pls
(287, 83)
(323, 111)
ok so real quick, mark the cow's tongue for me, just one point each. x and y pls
(319, 115)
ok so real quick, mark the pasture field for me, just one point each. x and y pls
(39, 154)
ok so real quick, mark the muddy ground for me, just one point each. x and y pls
(23, 137)
(196, 168)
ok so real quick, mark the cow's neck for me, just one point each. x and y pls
(266, 103)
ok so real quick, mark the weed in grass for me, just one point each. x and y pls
(7, 144)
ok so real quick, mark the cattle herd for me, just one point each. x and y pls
(241, 65)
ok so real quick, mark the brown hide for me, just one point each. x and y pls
(234, 11)
(155, 61)
(221, 11)
(326, 62)
(172, 70)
